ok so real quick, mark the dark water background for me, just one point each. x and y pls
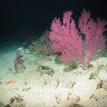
(21, 20)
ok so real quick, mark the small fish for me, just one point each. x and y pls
(8, 82)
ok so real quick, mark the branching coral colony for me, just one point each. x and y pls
(66, 38)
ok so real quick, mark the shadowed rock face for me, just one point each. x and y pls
(7, 105)
(75, 105)
(1, 104)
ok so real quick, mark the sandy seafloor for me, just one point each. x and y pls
(63, 89)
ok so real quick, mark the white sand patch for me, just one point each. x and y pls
(60, 90)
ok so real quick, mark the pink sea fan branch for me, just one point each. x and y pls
(93, 31)
(65, 38)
